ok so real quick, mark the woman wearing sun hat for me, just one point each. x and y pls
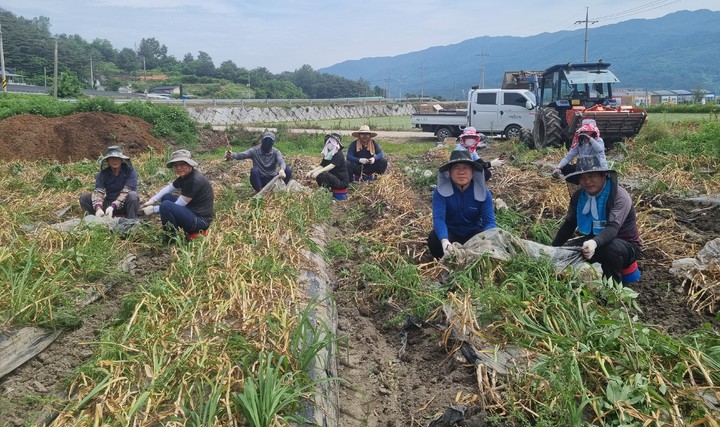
(462, 205)
(194, 209)
(364, 156)
(115, 187)
(603, 213)
(332, 172)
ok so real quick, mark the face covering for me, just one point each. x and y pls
(331, 147)
(266, 145)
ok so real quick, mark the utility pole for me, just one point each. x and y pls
(422, 88)
(45, 73)
(400, 84)
(145, 76)
(2, 63)
(92, 78)
(586, 21)
(482, 56)
(55, 80)
(387, 87)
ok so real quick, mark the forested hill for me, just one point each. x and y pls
(677, 51)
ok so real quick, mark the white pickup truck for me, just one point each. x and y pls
(490, 111)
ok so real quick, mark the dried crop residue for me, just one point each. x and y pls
(75, 137)
(396, 376)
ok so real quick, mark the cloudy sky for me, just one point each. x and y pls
(282, 35)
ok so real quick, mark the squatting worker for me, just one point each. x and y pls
(471, 140)
(603, 213)
(115, 187)
(267, 162)
(332, 172)
(365, 158)
(462, 205)
(194, 209)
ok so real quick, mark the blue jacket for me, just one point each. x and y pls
(461, 214)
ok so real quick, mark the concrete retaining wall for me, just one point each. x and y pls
(224, 116)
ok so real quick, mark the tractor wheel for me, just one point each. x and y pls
(526, 137)
(442, 133)
(548, 131)
(512, 131)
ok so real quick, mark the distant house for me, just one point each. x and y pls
(663, 97)
(683, 96)
(166, 90)
(634, 97)
(14, 79)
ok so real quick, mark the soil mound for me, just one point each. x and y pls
(75, 137)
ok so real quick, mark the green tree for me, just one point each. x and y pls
(698, 94)
(153, 52)
(127, 60)
(204, 65)
(69, 86)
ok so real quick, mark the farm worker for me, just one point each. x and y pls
(364, 156)
(332, 172)
(603, 213)
(115, 187)
(586, 142)
(471, 140)
(194, 208)
(267, 162)
(462, 205)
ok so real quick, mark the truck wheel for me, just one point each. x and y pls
(512, 131)
(443, 133)
(548, 131)
(526, 137)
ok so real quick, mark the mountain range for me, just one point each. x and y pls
(680, 50)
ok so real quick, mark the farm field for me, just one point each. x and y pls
(179, 331)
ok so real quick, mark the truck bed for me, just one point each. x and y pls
(443, 117)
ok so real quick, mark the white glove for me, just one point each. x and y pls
(151, 202)
(371, 160)
(228, 155)
(281, 174)
(109, 211)
(315, 174)
(309, 174)
(363, 160)
(588, 248)
(447, 246)
(99, 213)
(148, 210)
(497, 162)
(556, 173)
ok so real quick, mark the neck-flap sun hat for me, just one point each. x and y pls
(460, 156)
(364, 129)
(181, 156)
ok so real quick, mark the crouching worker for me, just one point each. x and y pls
(471, 141)
(462, 205)
(194, 209)
(332, 172)
(365, 158)
(603, 213)
(267, 162)
(115, 187)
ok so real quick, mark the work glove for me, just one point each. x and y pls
(99, 213)
(588, 248)
(151, 202)
(315, 174)
(371, 160)
(228, 155)
(363, 160)
(447, 247)
(109, 211)
(148, 210)
(282, 174)
(497, 162)
(557, 173)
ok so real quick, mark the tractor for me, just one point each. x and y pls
(569, 93)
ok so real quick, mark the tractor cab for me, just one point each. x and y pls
(577, 85)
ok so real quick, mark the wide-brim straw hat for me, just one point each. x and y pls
(460, 156)
(586, 164)
(364, 129)
(181, 156)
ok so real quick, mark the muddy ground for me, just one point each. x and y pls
(396, 376)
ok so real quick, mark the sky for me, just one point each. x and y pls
(283, 35)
